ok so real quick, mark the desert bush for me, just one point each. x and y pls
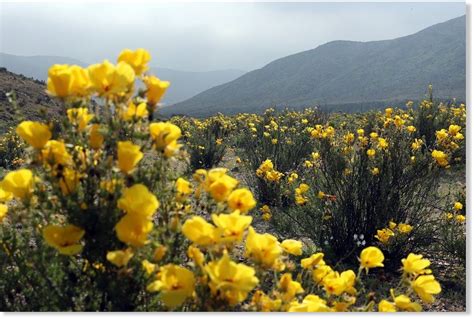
(98, 220)
(11, 150)
(356, 182)
(280, 137)
(205, 140)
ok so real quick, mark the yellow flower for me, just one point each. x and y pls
(404, 303)
(3, 211)
(458, 206)
(411, 129)
(65, 80)
(293, 247)
(371, 152)
(183, 188)
(415, 264)
(138, 200)
(148, 267)
(265, 303)
(96, 139)
(321, 272)
(196, 255)
(164, 134)
(5, 196)
(454, 129)
(383, 144)
(405, 228)
(426, 286)
(175, 284)
(263, 248)
(440, 157)
(383, 235)
(79, 117)
(20, 183)
(375, 171)
(133, 230)
(120, 258)
(221, 188)
(137, 59)
(289, 287)
(392, 225)
(460, 218)
(156, 88)
(311, 303)
(128, 155)
(56, 152)
(108, 79)
(69, 180)
(335, 283)
(312, 261)
(229, 280)
(34, 133)
(65, 239)
(159, 253)
(231, 227)
(386, 306)
(200, 232)
(371, 257)
(134, 112)
(241, 199)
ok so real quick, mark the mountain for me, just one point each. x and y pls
(184, 84)
(31, 98)
(347, 72)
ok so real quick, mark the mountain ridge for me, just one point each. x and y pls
(343, 71)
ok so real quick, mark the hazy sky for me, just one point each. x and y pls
(206, 36)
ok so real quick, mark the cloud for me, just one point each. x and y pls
(206, 36)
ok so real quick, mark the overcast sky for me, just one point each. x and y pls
(207, 36)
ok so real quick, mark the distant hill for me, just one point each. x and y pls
(32, 100)
(184, 84)
(347, 72)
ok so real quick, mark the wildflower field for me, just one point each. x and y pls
(113, 208)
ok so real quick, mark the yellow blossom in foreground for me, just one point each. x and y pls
(311, 303)
(138, 200)
(3, 211)
(263, 248)
(458, 206)
(156, 88)
(56, 152)
(67, 80)
(426, 286)
(134, 112)
(80, 117)
(404, 303)
(133, 230)
(405, 228)
(371, 257)
(384, 235)
(175, 284)
(65, 239)
(5, 196)
(199, 231)
(229, 280)
(164, 134)
(293, 247)
(34, 133)
(312, 261)
(110, 80)
(20, 183)
(386, 306)
(222, 187)
(415, 264)
(231, 227)
(183, 188)
(128, 155)
(440, 157)
(96, 139)
(241, 199)
(120, 258)
(289, 287)
(137, 59)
